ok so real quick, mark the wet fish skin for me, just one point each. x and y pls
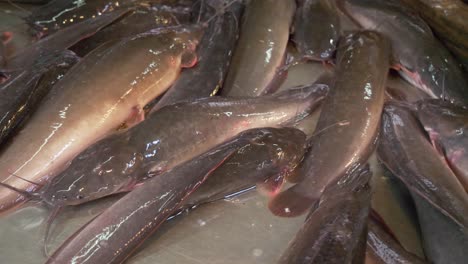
(445, 123)
(333, 233)
(94, 100)
(447, 19)
(316, 29)
(422, 59)
(214, 52)
(60, 14)
(400, 90)
(400, 148)
(170, 136)
(116, 233)
(137, 21)
(25, 89)
(443, 241)
(261, 49)
(274, 157)
(382, 248)
(24, 59)
(348, 125)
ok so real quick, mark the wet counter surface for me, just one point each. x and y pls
(236, 230)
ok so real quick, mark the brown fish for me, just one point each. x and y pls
(93, 100)
(261, 49)
(348, 124)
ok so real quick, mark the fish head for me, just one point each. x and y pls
(100, 171)
(185, 42)
(285, 147)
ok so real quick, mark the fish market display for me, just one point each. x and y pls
(92, 102)
(133, 218)
(348, 124)
(421, 58)
(261, 49)
(235, 131)
(121, 161)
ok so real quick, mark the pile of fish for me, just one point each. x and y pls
(176, 103)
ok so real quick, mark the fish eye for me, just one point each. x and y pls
(79, 197)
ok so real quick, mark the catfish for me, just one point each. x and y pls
(260, 52)
(336, 231)
(116, 233)
(407, 153)
(420, 58)
(443, 241)
(316, 29)
(171, 136)
(137, 21)
(214, 53)
(93, 101)
(21, 95)
(23, 59)
(447, 19)
(445, 123)
(348, 125)
(60, 14)
(382, 248)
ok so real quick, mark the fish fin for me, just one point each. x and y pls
(189, 59)
(29, 195)
(136, 116)
(272, 185)
(290, 203)
(53, 214)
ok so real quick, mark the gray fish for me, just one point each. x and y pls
(316, 29)
(420, 57)
(24, 58)
(400, 90)
(137, 21)
(405, 150)
(443, 241)
(383, 249)
(214, 56)
(169, 137)
(336, 231)
(24, 90)
(348, 125)
(445, 123)
(254, 165)
(60, 14)
(115, 234)
(261, 49)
